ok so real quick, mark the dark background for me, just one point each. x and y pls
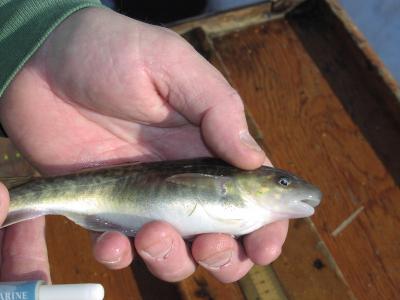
(161, 11)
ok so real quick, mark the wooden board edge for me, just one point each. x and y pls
(222, 23)
(362, 43)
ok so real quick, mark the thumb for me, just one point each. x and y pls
(203, 96)
(225, 131)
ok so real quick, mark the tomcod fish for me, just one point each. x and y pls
(195, 196)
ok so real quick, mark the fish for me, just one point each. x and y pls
(195, 196)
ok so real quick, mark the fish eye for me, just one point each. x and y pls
(285, 181)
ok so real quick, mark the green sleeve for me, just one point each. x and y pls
(24, 25)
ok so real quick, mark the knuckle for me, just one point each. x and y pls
(235, 99)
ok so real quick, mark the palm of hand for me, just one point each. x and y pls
(104, 106)
(131, 92)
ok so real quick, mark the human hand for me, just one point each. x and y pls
(105, 88)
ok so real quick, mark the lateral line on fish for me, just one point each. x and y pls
(347, 222)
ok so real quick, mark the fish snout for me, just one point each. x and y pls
(313, 199)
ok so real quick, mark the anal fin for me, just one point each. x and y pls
(21, 216)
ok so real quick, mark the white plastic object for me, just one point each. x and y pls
(82, 291)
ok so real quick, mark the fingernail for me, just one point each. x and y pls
(267, 162)
(249, 141)
(159, 250)
(112, 261)
(217, 261)
(114, 255)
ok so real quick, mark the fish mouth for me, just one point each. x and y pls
(313, 199)
(305, 207)
(301, 209)
(313, 202)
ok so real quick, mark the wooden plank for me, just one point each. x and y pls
(306, 268)
(71, 261)
(227, 20)
(378, 114)
(375, 72)
(312, 248)
(308, 130)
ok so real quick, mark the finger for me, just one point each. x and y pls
(164, 252)
(225, 132)
(179, 143)
(264, 245)
(204, 97)
(113, 249)
(4, 201)
(24, 252)
(222, 255)
(267, 162)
